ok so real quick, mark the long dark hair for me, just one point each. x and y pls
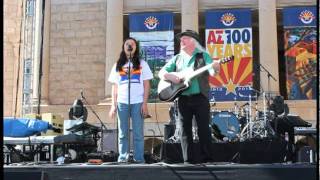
(123, 57)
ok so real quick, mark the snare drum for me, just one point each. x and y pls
(225, 124)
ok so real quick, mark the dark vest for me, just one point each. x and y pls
(203, 78)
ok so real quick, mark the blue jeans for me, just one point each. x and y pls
(137, 127)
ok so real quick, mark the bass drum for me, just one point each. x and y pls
(225, 126)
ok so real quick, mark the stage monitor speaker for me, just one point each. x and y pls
(169, 131)
(262, 151)
(37, 175)
(110, 141)
(306, 154)
(221, 152)
(171, 153)
(248, 152)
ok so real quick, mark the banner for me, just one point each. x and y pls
(155, 34)
(300, 46)
(229, 33)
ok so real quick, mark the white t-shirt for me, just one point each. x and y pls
(136, 82)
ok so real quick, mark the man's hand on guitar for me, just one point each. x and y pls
(173, 78)
(216, 67)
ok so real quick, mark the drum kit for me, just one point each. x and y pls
(242, 122)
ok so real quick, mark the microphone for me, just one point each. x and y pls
(130, 48)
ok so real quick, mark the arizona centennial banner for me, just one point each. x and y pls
(300, 44)
(229, 33)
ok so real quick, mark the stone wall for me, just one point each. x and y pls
(77, 51)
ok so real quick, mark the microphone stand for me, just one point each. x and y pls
(130, 155)
(103, 127)
(268, 99)
(269, 75)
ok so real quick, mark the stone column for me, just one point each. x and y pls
(36, 50)
(114, 38)
(268, 46)
(12, 57)
(46, 55)
(189, 15)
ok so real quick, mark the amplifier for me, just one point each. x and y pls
(55, 120)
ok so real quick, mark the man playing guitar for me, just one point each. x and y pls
(193, 100)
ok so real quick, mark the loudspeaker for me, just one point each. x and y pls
(169, 131)
(110, 141)
(248, 152)
(306, 154)
(171, 153)
(262, 151)
(38, 175)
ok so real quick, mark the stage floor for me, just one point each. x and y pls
(161, 171)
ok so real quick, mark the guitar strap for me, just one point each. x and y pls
(203, 78)
(178, 58)
(198, 62)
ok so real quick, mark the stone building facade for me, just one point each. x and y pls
(82, 39)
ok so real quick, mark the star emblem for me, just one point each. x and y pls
(231, 87)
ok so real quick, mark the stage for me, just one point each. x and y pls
(162, 171)
(267, 158)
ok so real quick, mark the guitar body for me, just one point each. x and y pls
(169, 91)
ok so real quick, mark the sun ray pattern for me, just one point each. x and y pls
(229, 33)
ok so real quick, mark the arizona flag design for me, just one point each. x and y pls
(134, 75)
(229, 33)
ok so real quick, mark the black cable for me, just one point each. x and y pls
(103, 126)
(41, 53)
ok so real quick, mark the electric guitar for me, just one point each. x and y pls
(168, 91)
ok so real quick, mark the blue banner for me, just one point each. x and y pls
(299, 16)
(300, 45)
(146, 22)
(155, 34)
(231, 18)
(229, 34)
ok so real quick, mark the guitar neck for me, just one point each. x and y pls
(202, 69)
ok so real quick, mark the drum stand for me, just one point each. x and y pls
(264, 114)
(236, 108)
(247, 133)
(176, 137)
(258, 128)
(250, 117)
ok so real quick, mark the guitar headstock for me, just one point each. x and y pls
(226, 59)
